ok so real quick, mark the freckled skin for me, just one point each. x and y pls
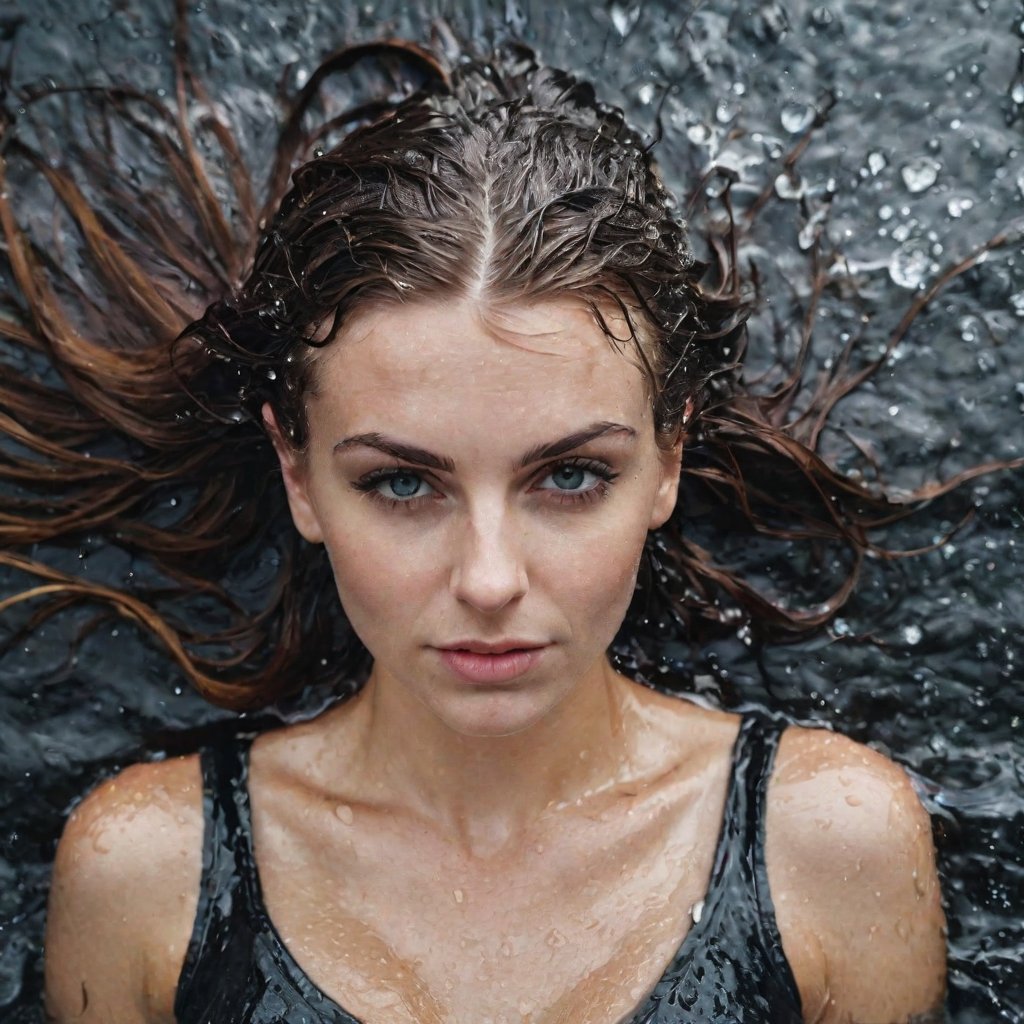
(434, 850)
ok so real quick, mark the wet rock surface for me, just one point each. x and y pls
(918, 160)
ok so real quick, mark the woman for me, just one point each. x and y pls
(475, 337)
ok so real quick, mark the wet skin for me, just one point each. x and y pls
(440, 849)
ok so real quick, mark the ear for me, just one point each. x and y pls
(671, 465)
(671, 460)
(294, 474)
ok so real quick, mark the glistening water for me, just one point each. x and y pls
(918, 161)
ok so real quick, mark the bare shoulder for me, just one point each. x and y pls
(852, 870)
(123, 895)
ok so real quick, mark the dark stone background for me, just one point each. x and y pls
(921, 157)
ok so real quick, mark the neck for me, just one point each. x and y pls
(489, 792)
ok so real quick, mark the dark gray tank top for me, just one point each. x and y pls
(730, 968)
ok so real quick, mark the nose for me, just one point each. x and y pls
(489, 571)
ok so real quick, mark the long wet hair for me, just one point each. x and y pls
(144, 328)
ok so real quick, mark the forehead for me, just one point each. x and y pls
(533, 359)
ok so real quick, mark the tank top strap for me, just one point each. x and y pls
(746, 802)
(227, 882)
(226, 767)
(740, 873)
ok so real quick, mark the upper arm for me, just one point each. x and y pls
(120, 894)
(860, 878)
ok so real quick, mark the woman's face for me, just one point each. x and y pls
(481, 477)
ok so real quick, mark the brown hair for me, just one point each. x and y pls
(494, 176)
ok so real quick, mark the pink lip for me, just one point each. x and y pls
(476, 667)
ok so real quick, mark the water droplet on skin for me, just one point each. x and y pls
(920, 173)
(918, 884)
(458, 895)
(344, 814)
(696, 911)
(854, 801)
(901, 928)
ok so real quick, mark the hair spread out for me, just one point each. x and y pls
(143, 328)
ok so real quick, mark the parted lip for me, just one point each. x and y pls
(498, 647)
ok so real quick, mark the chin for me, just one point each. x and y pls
(493, 713)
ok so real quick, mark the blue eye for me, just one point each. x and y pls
(570, 478)
(403, 485)
(578, 481)
(394, 487)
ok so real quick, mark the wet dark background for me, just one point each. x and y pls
(919, 161)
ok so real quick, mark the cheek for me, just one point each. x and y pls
(594, 575)
(380, 580)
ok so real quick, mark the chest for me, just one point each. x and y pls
(394, 924)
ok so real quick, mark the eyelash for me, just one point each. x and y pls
(368, 484)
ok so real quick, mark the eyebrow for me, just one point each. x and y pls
(422, 457)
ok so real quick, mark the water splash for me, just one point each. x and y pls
(920, 174)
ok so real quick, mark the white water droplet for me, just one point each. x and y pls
(696, 910)
(812, 229)
(698, 133)
(920, 174)
(624, 20)
(789, 189)
(796, 117)
(912, 634)
(726, 111)
(877, 162)
(957, 207)
(909, 264)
